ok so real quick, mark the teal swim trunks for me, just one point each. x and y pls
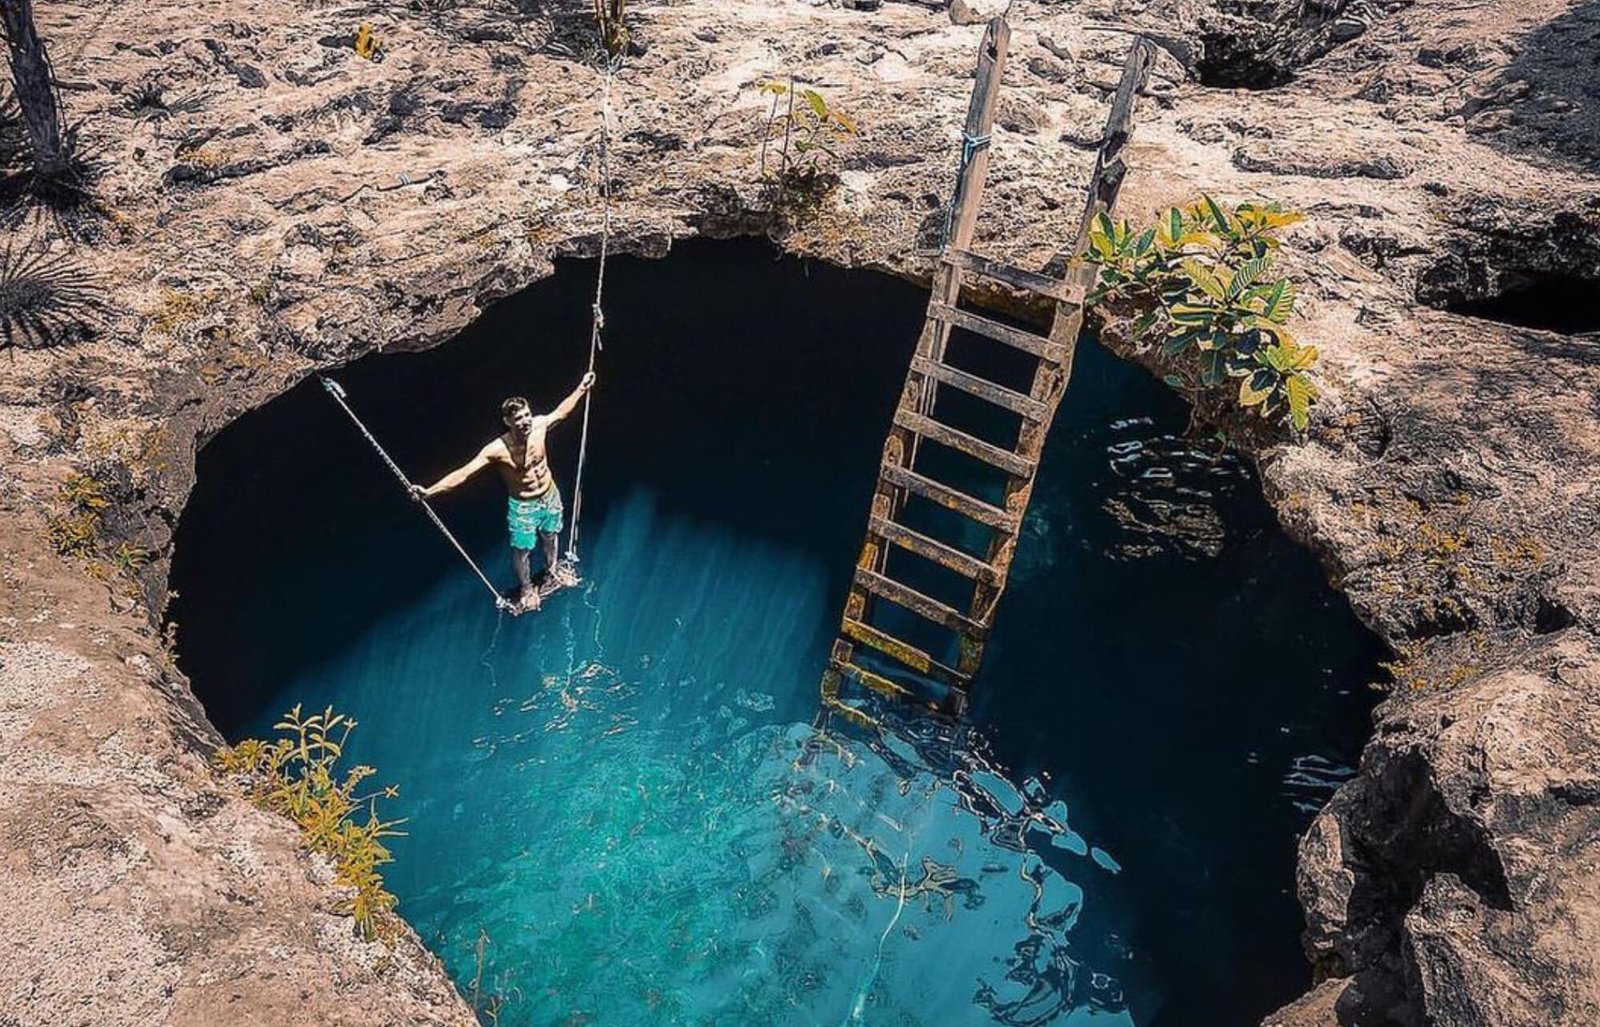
(527, 517)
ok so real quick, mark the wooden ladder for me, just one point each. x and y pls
(916, 418)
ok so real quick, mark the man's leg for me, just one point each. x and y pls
(529, 597)
(552, 555)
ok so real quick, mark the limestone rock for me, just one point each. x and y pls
(1261, 45)
(280, 205)
(961, 13)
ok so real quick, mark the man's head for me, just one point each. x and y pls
(517, 414)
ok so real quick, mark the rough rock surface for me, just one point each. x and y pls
(275, 204)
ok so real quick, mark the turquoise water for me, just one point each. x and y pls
(648, 829)
(631, 795)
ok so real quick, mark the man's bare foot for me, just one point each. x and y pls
(528, 601)
(564, 574)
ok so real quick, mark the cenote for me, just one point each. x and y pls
(627, 793)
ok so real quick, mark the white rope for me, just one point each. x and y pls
(597, 315)
(859, 1006)
(596, 344)
(337, 392)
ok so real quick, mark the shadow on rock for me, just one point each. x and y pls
(1531, 266)
(1546, 105)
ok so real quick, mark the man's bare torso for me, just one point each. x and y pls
(522, 463)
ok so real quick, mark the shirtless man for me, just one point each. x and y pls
(534, 511)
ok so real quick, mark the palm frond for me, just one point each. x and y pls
(46, 300)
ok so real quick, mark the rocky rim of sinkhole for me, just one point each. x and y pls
(275, 204)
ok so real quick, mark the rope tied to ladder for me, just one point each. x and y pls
(970, 145)
(597, 312)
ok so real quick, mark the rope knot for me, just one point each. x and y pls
(970, 145)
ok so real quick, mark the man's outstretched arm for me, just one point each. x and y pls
(455, 477)
(570, 404)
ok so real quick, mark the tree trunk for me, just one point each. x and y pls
(36, 91)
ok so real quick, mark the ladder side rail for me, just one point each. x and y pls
(966, 200)
(1110, 167)
(1050, 380)
(900, 447)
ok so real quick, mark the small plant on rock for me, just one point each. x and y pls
(175, 310)
(295, 776)
(366, 42)
(811, 128)
(129, 558)
(1201, 279)
(76, 531)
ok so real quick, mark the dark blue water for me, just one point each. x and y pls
(627, 792)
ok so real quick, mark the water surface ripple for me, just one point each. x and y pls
(629, 801)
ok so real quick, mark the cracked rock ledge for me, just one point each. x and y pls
(275, 204)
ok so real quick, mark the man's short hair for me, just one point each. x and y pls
(514, 404)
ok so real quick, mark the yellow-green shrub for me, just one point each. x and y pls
(76, 532)
(1202, 280)
(813, 125)
(295, 775)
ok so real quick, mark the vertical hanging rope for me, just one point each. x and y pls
(597, 315)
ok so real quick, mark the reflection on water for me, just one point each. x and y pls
(651, 826)
(1311, 781)
(1166, 504)
(630, 793)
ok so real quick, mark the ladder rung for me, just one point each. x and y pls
(976, 448)
(877, 682)
(999, 395)
(902, 652)
(917, 603)
(945, 556)
(947, 497)
(1016, 338)
(1016, 277)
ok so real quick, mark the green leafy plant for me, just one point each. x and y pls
(84, 492)
(77, 531)
(129, 558)
(295, 775)
(74, 534)
(1201, 278)
(809, 127)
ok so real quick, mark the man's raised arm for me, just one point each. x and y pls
(570, 404)
(455, 477)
